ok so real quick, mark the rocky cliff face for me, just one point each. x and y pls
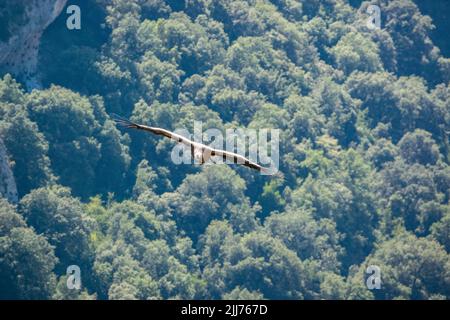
(22, 23)
(8, 188)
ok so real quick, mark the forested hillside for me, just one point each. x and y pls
(364, 116)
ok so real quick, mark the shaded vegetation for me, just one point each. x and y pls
(364, 146)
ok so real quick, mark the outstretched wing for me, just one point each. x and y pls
(238, 159)
(226, 155)
(158, 131)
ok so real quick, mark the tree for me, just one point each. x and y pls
(27, 148)
(411, 268)
(410, 32)
(25, 144)
(53, 212)
(82, 140)
(131, 281)
(339, 109)
(242, 294)
(267, 266)
(419, 147)
(212, 194)
(26, 259)
(354, 51)
(411, 192)
(68, 124)
(341, 193)
(441, 231)
(62, 292)
(264, 68)
(308, 238)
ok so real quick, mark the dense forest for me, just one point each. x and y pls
(364, 120)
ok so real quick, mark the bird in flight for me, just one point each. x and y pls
(200, 152)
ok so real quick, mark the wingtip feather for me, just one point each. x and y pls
(124, 122)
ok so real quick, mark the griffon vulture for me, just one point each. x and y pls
(200, 152)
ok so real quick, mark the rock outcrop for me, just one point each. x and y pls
(8, 188)
(22, 23)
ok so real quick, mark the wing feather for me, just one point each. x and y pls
(158, 131)
(237, 159)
